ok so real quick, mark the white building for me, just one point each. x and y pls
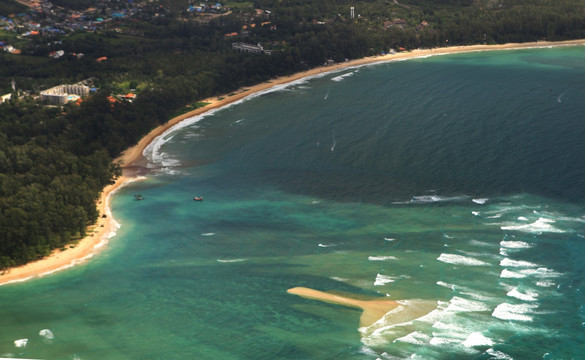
(250, 48)
(61, 94)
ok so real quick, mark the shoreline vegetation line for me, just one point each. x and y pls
(132, 158)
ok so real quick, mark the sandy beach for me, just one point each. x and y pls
(132, 158)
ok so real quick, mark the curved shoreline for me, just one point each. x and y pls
(100, 233)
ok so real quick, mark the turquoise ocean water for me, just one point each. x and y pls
(456, 180)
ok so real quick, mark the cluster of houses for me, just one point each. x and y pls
(44, 17)
(9, 48)
(203, 8)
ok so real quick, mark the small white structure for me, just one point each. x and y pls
(5, 98)
(352, 12)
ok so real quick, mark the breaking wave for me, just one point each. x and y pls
(461, 260)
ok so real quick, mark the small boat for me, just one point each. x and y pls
(138, 197)
(198, 198)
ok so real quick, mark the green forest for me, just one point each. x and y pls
(55, 161)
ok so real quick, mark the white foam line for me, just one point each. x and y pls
(539, 226)
(507, 274)
(446, 285)
(498, 355)
(384, 279)
(526, 296)
(480, 201)
(478, 339)
(17, 280)
(515, 244)
(382, 258)
(506, 311)
(461, 260)
(517, 263)
(415, 338)
(458, 304)
(230, 260)
(342, 76)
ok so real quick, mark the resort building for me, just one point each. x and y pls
(62, 94)
(249, 48)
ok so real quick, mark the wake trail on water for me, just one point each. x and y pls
(334, 141)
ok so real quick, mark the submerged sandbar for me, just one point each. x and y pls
(373, 310)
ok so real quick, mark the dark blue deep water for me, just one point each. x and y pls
(456, 181)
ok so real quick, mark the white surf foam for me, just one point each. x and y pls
(525, 296)
(443, 340)
(507, 274)
(382, 258)
(415, 338)
(47, 334)
(538, 227)
(343, 76)
(516, 263)
(545, 283)
(230, 260)
(461, 260)
(384, 279)
(327, 245)
(459, 304)
(518, 312)
(480, 201)
(208, 234)
(540, 273)
(446, 285)
(435, 198)
(515, 244)
(478, 339)
(20, 343)
(476, 213)
(498, 355)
